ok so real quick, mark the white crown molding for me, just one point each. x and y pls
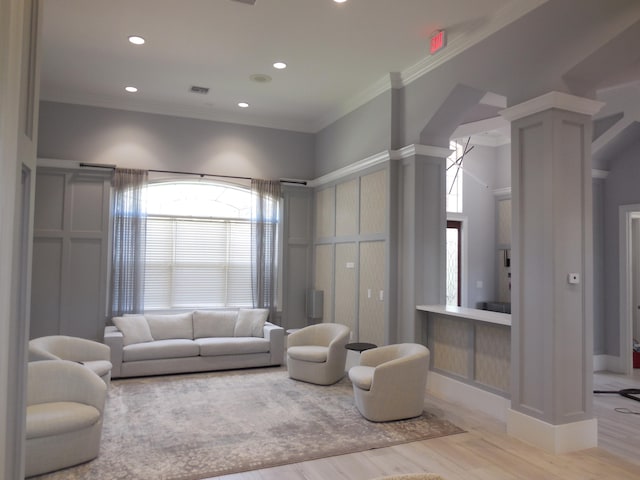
(506, 15)
(502, 192)
(377, 159)
(600, 174)
(424, 150)
(181, 111)
(356, 167)
(486, 125)
(559, 100)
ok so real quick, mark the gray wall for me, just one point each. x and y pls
(149, 141)
(599, 285)
(358, 135)
(479, 205)
(622, 187)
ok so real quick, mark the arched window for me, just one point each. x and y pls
(198, 251)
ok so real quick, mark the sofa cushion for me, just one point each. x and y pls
(232, 346)
(250, 322)
(309, 353)
(175, 348)
(220, 323)
(165, 327)
(134, 328)
(55, 418)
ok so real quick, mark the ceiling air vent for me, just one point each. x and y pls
(248, 2)
(200, 90)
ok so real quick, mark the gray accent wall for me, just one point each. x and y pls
(622, 187)
(363, 132)
(149, 141)
(479, 206)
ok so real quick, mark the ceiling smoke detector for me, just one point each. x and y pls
(200, 90)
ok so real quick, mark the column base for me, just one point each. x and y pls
(554, 439)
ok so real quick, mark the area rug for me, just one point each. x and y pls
(187, 427)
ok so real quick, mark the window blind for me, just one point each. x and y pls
(197, 263)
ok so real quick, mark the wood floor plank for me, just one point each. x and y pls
(486, 452)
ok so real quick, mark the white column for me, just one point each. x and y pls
(552, 270)
(421, 239)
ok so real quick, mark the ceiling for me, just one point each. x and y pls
(338, 55)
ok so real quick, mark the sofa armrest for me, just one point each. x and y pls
(275, 335)
(114, 339)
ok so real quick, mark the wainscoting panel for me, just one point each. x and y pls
(49, 203)
(325, 201)
(493, 356)
(324, 278)
(451, 351)
(373, 202)
(347, 208)
(371, 326)
(46, 291)
(345, 271)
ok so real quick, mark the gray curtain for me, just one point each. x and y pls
(129, 241)
(264, 244)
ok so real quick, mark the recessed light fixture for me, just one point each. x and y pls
(339, 1)
(136, 40)
(280, 65)
(243, 104)
(131, 89)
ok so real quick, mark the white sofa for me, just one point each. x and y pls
(198, 341)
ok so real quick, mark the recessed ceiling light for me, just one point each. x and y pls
(136, 40)
(131, 89)
(243, 105)
(339, 1)
(280, 65)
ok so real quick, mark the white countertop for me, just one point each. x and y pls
(469, 313)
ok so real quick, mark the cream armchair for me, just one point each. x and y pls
(65, 405)
(389, 384)
(93, 355)
(317, 353)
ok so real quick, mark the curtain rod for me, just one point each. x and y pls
(201, 175)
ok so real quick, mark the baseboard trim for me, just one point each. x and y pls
(554, 439)
(469, 396)
(608, 363)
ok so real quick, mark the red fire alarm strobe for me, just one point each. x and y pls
(438, 41)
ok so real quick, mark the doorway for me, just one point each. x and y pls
(629, 284)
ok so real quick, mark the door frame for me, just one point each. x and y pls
(627, 213)
(463, 265)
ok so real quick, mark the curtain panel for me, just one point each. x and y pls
(129, 241)
(264, 243)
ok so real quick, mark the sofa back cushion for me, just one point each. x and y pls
(134, 328)
(250, 322)
(215, 323)
(166, 327)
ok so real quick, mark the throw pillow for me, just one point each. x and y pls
(214, 323)
(250, 322)
(166, 327)
(134, 328)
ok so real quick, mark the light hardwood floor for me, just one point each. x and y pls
(486, 452)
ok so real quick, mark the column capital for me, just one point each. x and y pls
(559, 100)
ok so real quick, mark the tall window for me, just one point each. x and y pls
(198, 246)
(454, 178)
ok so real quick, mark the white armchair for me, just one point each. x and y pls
(317, 353)
(65, 405)
(389, 384)
(93, 355)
